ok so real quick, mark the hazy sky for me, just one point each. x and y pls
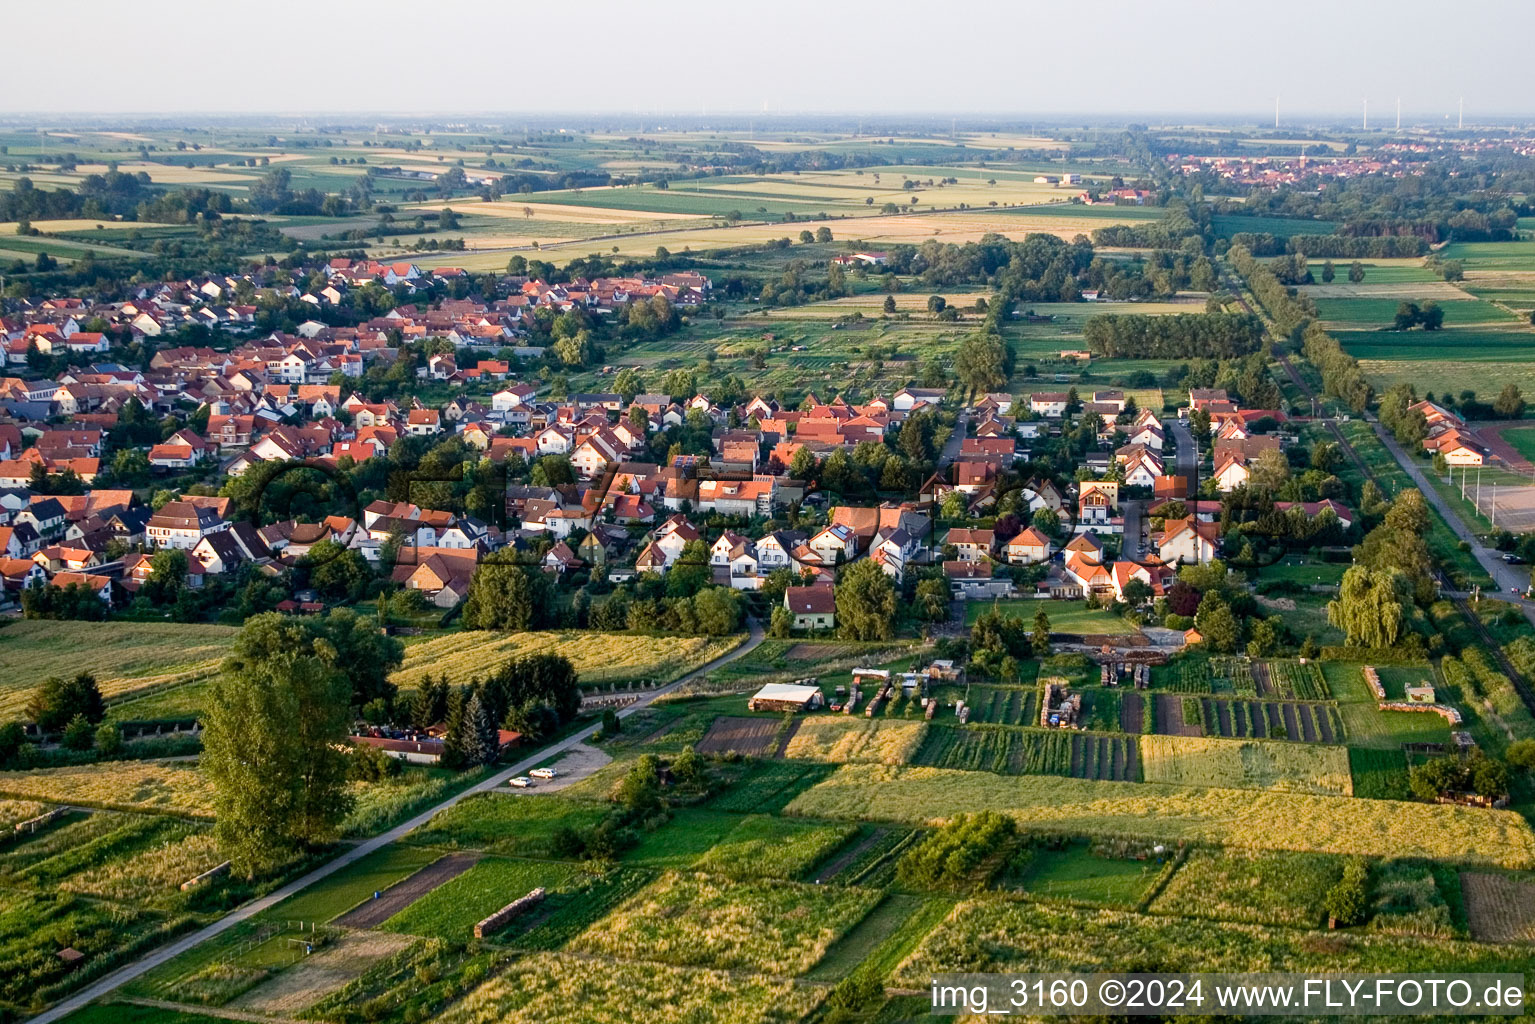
(1020, 58)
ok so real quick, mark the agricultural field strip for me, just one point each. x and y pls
(1255, 819)
(113, 981)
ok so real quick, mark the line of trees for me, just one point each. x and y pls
(1184, 336)
(1294, 316)
(1337, 247)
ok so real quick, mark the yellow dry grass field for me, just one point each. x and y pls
(905, 302)
(154, 872)
(957, 226)
(462, 656)
(125, 657)
(13, 812)
(512, 209)
(51, 226)
(171, 174)
(1247, 764)
(547, 987)
(172, 787)
(1157, 811)
(859, 740)
(706, 921)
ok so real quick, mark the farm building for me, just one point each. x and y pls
(421, 748)
(785, 697)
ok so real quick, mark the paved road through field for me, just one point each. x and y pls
(164, 954)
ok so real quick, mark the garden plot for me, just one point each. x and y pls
(749, 737)
(502, 823)
(1247, 719)
(1012, 751)
(695, 920)
(451, 909)
(551, 987)
(844, 740)
(1246, 764)
(1003, 706)
(402, 894)
(1289, 679)
(766, 847)
(1254, 819)
(296, 989)
(1499, 908)
(1262, 887)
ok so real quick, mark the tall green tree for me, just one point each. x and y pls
(1372, 605)
(58, 701)
(1041, 637)
(508, 596)
(865, 602)
(482, 738)
(273, 746)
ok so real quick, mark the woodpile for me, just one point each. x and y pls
(507, 914)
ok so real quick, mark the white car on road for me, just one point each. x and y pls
(543, 773)
(522, 782)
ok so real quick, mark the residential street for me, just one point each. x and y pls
(1131, 547)
(1508, 578)
(148, 962)
(1187, 456)
(951, 448)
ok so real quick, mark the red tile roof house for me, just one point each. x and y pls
(812, 607)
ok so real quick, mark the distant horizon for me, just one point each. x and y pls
(799, 58)
(970, 121)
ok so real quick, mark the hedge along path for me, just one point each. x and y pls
(1254, 819)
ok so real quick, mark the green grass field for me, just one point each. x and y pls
(1523, 441)
(1365, 725)
(451, 910)
(1065, 616)
(1261, 887)
(1380, 313)
(687, 837)
(123, 656)
(352, 885)
(1076, 874)
(505, 824)
(764, 847)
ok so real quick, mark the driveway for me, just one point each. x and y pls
(164, 954)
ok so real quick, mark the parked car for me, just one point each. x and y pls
(543, 773)
(1513, 559)
(522, 782)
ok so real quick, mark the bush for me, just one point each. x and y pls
(1347, 901)
(954, 854)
